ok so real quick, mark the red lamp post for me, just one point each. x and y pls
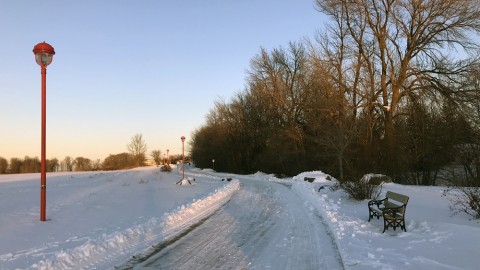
(183, 157)
(43, 55)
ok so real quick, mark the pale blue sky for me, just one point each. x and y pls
(125, 67)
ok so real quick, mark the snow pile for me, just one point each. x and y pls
(434, 239)
(186, 216)
(184, 182)
(264, 176)
(318, 175)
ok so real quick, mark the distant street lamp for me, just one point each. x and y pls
(168, 157)
(183, 157)
(213, 162)
(43, 56)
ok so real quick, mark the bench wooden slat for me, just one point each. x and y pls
(397, 197)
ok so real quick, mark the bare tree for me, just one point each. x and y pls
(30, 165)
(52, 165)
(405, 46)
(96, 165)
(3, 165)
(118, 162)
(278, 81)
(138, 149)
(156, 155)
(67, 164)
(15, 165)
(82, 164)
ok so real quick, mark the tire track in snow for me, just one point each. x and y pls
(264, 226)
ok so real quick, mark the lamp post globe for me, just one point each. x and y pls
(43, 56)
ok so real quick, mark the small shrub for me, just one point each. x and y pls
(166, 168)
(465, 200)
(362, 189)
(377, 179)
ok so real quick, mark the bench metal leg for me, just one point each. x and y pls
(372, 214)
(394, 223)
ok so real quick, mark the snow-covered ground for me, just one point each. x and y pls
(98, 220)
(434, 239)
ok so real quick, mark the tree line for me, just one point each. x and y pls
(135, 157)
(389, 86)
(33, 165)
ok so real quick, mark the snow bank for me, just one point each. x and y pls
(104, 252)
(318, 175)
(434, 239)
(185, 216)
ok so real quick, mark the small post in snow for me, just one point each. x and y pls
(183, 156)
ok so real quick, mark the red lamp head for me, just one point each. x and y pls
(43, 54)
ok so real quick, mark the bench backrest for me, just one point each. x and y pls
(399, 198)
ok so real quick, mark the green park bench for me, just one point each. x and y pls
(391, 208)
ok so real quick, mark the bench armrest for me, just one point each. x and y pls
(376, 202)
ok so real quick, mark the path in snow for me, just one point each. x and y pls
(264, 226)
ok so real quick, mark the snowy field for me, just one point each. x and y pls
(98, 220)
